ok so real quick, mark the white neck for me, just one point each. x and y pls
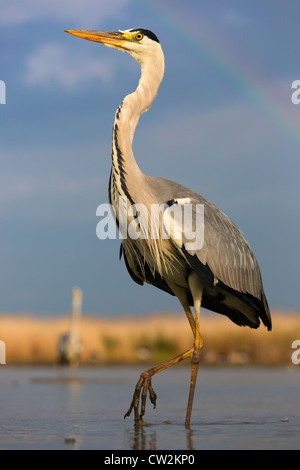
(127, 117)
(138, 102)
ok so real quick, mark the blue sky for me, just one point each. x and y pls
(223, 124)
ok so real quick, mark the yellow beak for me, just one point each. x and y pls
(109, 38)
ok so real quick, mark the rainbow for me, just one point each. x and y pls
(212, 49)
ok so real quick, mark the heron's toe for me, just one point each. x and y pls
(140, 392)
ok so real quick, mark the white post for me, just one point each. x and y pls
(2, 92)
(2, 353)
(76, 309)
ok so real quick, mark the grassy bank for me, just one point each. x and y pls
(150, 339)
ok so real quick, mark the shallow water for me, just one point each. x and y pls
(234, 408)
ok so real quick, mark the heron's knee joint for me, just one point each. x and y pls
(196, 356)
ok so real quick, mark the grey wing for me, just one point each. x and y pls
(224, 261)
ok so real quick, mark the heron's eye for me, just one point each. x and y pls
(139, 36)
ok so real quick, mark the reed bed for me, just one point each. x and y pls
(150, 339)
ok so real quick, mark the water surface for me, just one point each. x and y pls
(234, 408)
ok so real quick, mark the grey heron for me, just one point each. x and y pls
(222, 274)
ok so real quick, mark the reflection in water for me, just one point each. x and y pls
(141, 437)
(189, 440)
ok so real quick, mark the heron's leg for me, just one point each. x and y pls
(196, 288)
(180, 293)
(144, 385)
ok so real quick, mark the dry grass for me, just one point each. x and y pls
(150, 339)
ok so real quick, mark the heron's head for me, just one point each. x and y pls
(141, 43)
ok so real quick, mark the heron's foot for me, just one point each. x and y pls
(142, 387)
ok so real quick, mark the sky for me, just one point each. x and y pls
(223, 124)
